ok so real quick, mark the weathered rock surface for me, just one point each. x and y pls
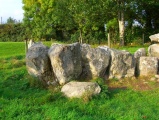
(31, 42)
(122, 64)
(95, 61)
(153, 50)
(38, 63)
(62, 63)
(140, 52)
(157, 76)
(148, 66)
(65, 61)
(154, 38)
(78, 89)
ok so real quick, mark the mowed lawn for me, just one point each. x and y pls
(22, 98)
(8, 49)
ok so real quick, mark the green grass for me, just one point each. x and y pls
(12, 49)
(132, 49)
(21, 98)
(15, 49)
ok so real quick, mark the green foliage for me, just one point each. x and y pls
(112, 24)
(37, 18)
(12, 32)
(66, 16)
(104, 88)
(11, 21)
(70, 20)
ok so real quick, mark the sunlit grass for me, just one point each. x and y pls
(21, 98)
(12, 49)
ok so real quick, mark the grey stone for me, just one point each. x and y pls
(78, 89)
(152, 79)
(31, 42)
(122, 64)
(148, 66)
(157, 76)
(154, 38)
(38, 63)
(140, 52)
(95, 61)
(153, 50)
(66, 62)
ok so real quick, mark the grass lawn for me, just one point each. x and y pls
(21, 98)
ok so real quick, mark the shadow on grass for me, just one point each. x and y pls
(116, 90)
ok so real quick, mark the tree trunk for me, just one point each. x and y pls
(26, 46)
(143, 39)
(121, 22)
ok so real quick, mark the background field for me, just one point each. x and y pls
(22, 98)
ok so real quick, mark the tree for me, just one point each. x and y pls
(36, 17)
(90, 16)
(145, 14)
(85, 19)
(148, 14)
(121, 20)
(11, 20)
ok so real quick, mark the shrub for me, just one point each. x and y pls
(12, 32)
(104, 88)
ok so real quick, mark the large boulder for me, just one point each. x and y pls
(148, 66)
(140, 52)
(153, 50)
(38, 63)
(79, 89)
(154, 38)
(95, 61)
(122, 64)
(65, 61)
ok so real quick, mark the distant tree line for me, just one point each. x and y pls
(12, 30)
(90, 21)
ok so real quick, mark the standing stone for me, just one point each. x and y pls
(122, 64)
(95, 61)
(140, 52)
(31, 42)
(65, 61)
(154, 38)
(79, 89)
(38, 63)
(153, 50)
(148, 66)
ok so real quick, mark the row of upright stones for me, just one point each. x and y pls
(60, 63)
